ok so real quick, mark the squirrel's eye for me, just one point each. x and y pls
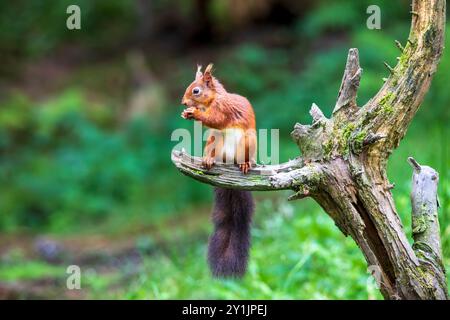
(196, 90)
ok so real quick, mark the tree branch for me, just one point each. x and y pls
(260, 178)
(394, 106)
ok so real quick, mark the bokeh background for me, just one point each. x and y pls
(85, 123)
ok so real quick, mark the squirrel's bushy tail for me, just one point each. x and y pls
(230, 243)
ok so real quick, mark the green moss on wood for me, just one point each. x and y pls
(327, 148)
(386, 104)
(197, 172)
(419, 224)
(358, 141)
(345, 138)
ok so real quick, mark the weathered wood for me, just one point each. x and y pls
(425, 224)
(317, 115)
(260, 178)
(343, 165)
(346, 100)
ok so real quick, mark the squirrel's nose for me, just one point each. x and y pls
(184, 102)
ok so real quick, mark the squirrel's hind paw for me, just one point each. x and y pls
(208, 162)
(245, 167)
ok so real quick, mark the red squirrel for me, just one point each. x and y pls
(233, 137)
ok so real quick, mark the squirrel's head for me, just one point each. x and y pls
(202, 91)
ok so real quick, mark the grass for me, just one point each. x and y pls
(29, 270)
(297, 253)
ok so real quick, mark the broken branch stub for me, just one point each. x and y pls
(346, 101)
(425, 224)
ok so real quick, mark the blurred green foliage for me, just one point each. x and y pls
(70, 163)
(33, 28)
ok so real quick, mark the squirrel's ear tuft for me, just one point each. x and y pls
(198, 74)
(207, 76)
(209, 68)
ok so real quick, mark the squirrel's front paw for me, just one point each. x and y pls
(208, 162)
(245, 167)
(188, 113)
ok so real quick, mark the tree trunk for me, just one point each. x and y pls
(343, 166)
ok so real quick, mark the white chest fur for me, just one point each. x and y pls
(231, 139)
